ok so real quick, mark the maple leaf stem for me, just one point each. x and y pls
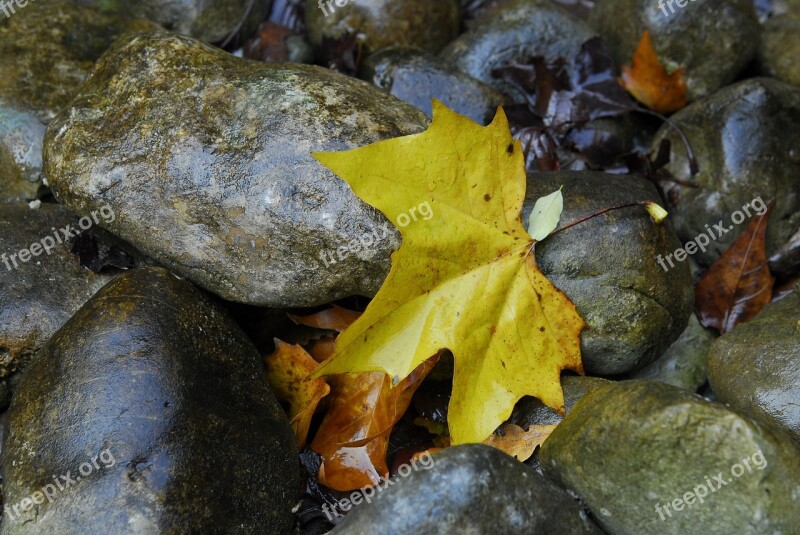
(601, 212)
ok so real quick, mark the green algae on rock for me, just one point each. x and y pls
(206, 160)
(634, 450)
(417, 77)
(747, 144)
(607, 267)
(425, 24)
(712, 40)
(157, 374)
(47, 50)
(756, 367)
(473, 489)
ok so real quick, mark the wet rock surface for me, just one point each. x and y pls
(469, 489)
(746, 142)
(684, 363)
(712, 41)
(756, 367)
(204, 20)
(636, 449)
(224, 189)
(41, 285)
(780, 45)
(425, 24)
(416, 77)
(154, 373)
(530, 411)
(53, 45)
(607, 266)
(515, 33)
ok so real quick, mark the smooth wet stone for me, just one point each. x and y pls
(47, 49)
(208, 21)
(684, 363)
(530, 411)
(425, 24)
(712, 40)
(607, 266)
(39, 295)
(514, 34)
(473, 489)
(780, 46)
(224, 189)
(746, 138)
(156, 374)
(417, 77)
(756, 367)
(633, 449)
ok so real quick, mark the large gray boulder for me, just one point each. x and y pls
(608, 266)
(745, 138)
(206, 159)
(648, 457)
(756, 367)
(473, 489)
(151, 411)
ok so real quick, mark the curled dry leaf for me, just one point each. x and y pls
(519, 443)
(354, 435)
(738, 285)
(288, 369)
(335, 318)
(648, 81)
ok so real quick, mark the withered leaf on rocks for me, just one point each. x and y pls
(739, 284)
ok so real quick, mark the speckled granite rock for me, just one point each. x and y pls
(206, 160)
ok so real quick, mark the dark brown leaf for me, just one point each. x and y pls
(738, 285)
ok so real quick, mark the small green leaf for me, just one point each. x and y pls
(545, 215)
(656, 212)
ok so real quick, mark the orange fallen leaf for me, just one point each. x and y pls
(288, 369)
(738, 285)
(335, 318)
(354, 435)
(520, 443)
(647, 80)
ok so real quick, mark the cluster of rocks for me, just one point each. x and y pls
(205, 160)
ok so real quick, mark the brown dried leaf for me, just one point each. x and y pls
(519, 443)
(739, 284)
(353, 438)
(647, 80)
(288, 369)
(335, 318)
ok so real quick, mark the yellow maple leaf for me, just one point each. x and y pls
(464, 279)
